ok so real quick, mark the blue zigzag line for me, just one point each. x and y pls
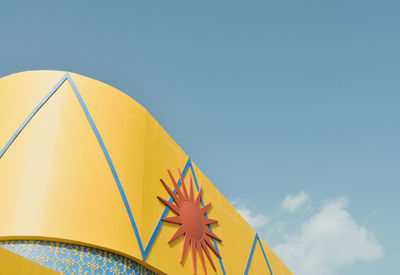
(256, 238)
(144, 252)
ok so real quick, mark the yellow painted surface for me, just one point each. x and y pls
(56, 184)
(14, 264)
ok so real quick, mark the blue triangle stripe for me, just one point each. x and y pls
(109, 161)
(256, 239)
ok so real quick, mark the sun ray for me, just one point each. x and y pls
(205, 208)
(205, 248)
(191, 196)
(193, 254)
(198, 198)
(183, 185)
(210, 233)
(171, 193)
(209, 243)
(177, 234)
(186, 242)
(175, 219)
(203, 264)
(170, 205)
(178, 190)
(208, 221)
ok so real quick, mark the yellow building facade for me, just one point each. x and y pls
(80, 190)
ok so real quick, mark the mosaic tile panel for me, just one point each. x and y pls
(75, 259)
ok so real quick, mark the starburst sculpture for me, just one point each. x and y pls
(194, 225)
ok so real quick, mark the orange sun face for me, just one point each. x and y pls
(194, 224)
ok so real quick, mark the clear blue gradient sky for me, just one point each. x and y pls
(267, 97)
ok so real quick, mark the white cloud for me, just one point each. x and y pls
(256, 221)
(329, 239)
(293, 202)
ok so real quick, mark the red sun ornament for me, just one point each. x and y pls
(194, 225)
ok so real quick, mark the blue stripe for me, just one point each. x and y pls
(251, 255)
(110, 163)
(256, 238)
(41, 103)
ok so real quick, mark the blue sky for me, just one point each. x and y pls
(289, 107)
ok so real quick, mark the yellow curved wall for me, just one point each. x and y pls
(56, 183)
